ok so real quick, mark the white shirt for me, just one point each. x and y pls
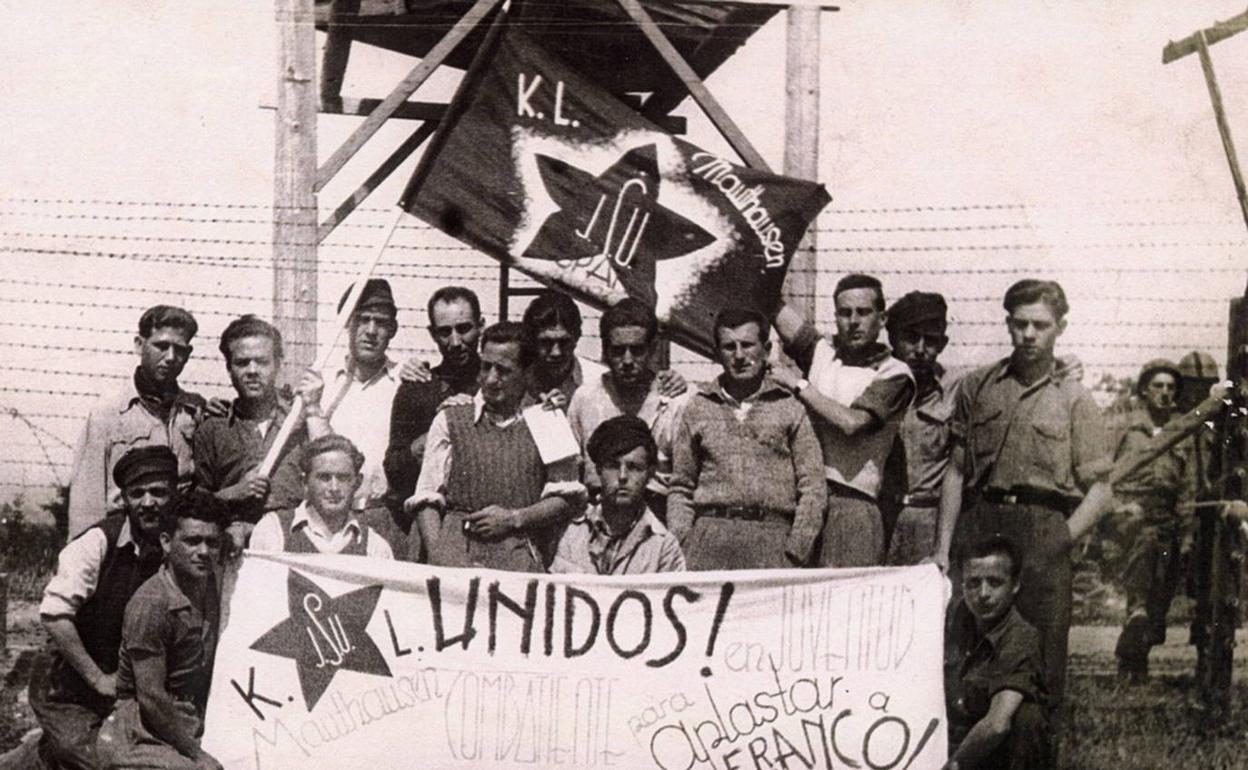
(268, 535)
(362, 414)
(78, 572)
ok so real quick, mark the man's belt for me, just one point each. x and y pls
(743, 512)
(916, 501)
(1045, 498)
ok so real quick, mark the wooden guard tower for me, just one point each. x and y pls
(651, 53)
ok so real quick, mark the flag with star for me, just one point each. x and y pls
(540, 168)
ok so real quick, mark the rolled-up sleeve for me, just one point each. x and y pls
(436, 469)
(1091, 456)
(77, 574)
(886, 399)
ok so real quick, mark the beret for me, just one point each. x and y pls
(617, 436)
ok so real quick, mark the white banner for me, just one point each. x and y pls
(346, 662)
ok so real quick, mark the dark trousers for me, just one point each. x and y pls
(70, 726)
(456, 548)
(1149, 579)
(1044, 596)
(914, 537)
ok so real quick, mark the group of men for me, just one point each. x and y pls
(858, 453)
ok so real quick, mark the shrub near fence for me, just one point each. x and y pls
(27, 551)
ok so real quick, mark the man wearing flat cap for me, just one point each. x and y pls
(620, 535)
(84, 604)
(916, 332)
(1146, 503)
(354, 399)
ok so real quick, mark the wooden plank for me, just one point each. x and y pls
(419, 74)
(294, 174)
(1217, 33)
(337, 47)
(364, 107)
(1224, 128)
(375, 179)
(735, 137)
(801, 143)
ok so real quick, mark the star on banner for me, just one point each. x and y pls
(323, 635)
(614, 220)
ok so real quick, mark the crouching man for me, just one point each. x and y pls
(167, 646)
(997, 717)
(620, 535)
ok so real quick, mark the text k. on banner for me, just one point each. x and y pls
(542, 169)
(346, 662)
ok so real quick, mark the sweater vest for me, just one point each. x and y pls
(857, 461)
(299, 542)
(100, 618)
(491, 465)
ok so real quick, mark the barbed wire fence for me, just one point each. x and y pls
(1145, 277)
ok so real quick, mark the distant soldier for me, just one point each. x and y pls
(629, 332)
(857, 394)
(1147, 500)
(1031, 461)
(747, 483)
(150, 409)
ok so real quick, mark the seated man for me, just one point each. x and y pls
(84, 603)
(484, 497)
(996, 692)
(620, 535)
(325, 521)
(747, 477)
(167, 646)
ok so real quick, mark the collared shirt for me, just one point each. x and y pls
(1167, 475)
(871, 381)
(583, 369)
(78, 571)
(1049, 435)
(415, 406)
(1006, 657)
(121, 423)
(228, 448)
(598, 400)
(361, 412)
(588, 546)
(770, 460)
(268, 535)
(927, 438)
(561, 476)
(162, 622)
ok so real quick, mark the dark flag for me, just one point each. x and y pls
(540, 168)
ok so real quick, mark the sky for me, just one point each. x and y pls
(964, 144)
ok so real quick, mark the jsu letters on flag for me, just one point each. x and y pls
(538, 167)
(342, 661)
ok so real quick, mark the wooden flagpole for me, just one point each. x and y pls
(344, 316)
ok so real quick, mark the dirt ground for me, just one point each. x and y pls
(1110, 726)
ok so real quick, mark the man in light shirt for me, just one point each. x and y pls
(324, 522)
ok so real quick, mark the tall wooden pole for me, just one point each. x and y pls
(1224, 127)
(294, 180)
(801, 141)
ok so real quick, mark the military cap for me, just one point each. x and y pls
(1198, 365)
(1151, 368)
